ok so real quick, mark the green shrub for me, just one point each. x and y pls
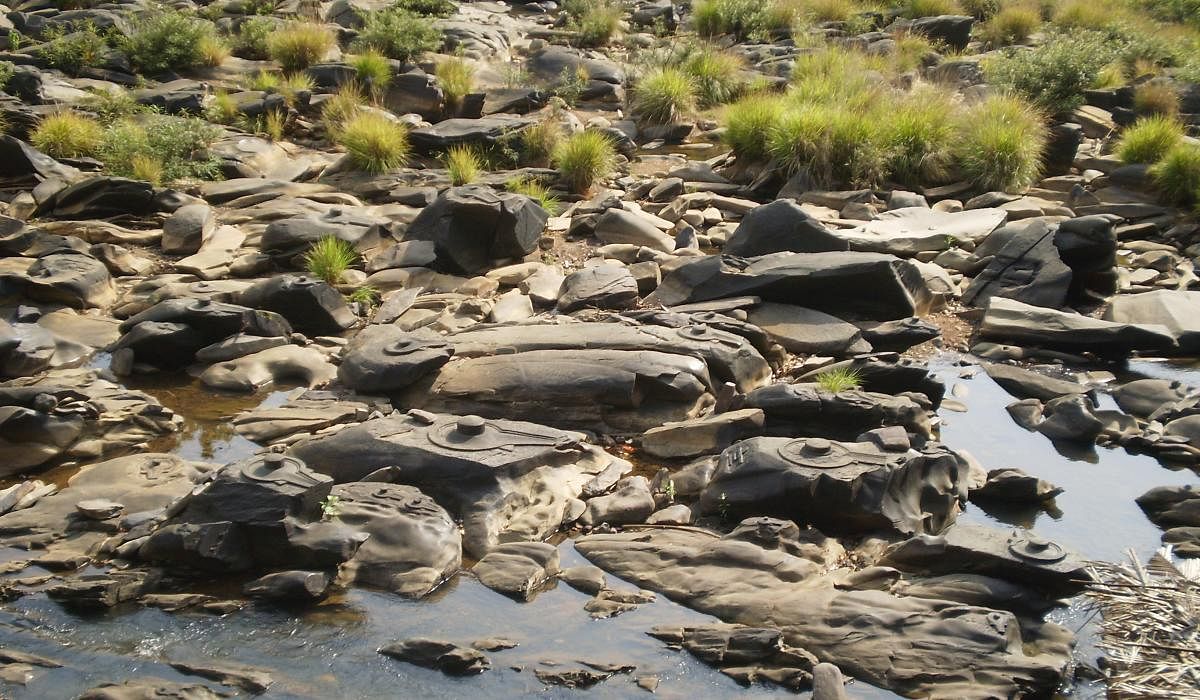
(748, 122)
(981, 10)
(67, 135)
(930, 8)
(1000, 143)
(147, 168)
(594, 22)
(112, 105)
(1054, 75)
(1012, 25)
(571, 84)
(919, 134)
(839, 379)
(1177, 175)
(463, 164)
(7, 69)
(1156, 98)
(300, 45)
(253, 37)
(71, 51)
(835, 146)
(534, 190)
(457, 78)
(1082, 14)
(329, 258)
(584, 158)
(222, 109)
(398, 34)
(1110, 76)
(741, 18)
(663, 95)
(165, 40)
(374, 142)
(716, 74)
(177, 144)
(539, 140)
(1149, 139)
(374, 71)
(367, 295)
(427, 8)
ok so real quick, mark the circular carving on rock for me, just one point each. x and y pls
(278, 469)
(1033, 548)
(818, 453)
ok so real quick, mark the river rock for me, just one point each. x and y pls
(599, 286)
(703, 435)
(630, 503)
(808, 332)
(472, 225)
(748, 654)
(839, 487)
(505, 480)
(1144, 397)
(383, 359)
(781, 226)
(68, 277)
(446, 657)
(807, 409)
(616, 225)
(310, 305)
(1014, 485)
(249, 373)
(287, 238)
(186, 230)
(1011, 321)
(414, 545)
(1175, 310)
(1026, 384)
(518, 569)
(299, 587)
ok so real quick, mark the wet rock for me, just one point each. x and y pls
(186, 230)
(473, 225)
(808, 332)
(631, 502)
(1012, 321)
(1143, 397)
(506, 480)
(1014, 485)
(518, 569)
(1026, 384)
(1070, 418)
(1019, 556)
(308, 413)
(298, 587)
(98, 591)
(1175, 310)
(585, 579)
(828, 683)
(748, 654)
(247, 678)
(310, 305)
(414, 545)
(938, 650)
(599, 286)
(1171, 506)
(781, 226)
(248, 373)
(446, 657)
(150, 689)
(806, 409)
(870, 286)
(703, 435)
(838, 487)
(386, 359)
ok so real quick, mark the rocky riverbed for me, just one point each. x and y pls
(311, 408)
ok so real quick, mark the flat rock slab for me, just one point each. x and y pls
(1011, 321)
(518, 569)
(809, 332)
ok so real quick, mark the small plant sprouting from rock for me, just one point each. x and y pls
(331, 507)
(329, 258)
(670, 490)
(366, 295)
(840, 379)
(535, 190)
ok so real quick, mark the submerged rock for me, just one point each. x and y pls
(446, 657)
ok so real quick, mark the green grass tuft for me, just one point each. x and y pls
(535, 190)
(748, 123)
(398, 33)
(300, 44)
(457, 78)
(373, 71)
(920, 135)
(931, 8)
(839, 379)
(165, 39)
(374, 142)
(329, 258)
(716, 74)
(1177, 175)
(663, 96)
(1000, 144)
(1149, 139)
(584, 158)
(463, 164)
(1012, 25)
(67, 135)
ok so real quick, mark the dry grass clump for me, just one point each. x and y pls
(463, 164)
(457, 78)
(300, 45)
(374, 142)
(1011, 25)
(1150, 626)
(1156, 98)
(663, 96)
(67, 135)
(1177, 175)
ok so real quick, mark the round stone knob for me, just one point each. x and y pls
(471, 425)
(817, 446)
(273, 460)
(399, 347)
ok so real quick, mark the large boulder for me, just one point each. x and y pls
(473, 225)
(383, 359)
(809, 410)
(911, 230)
(65, 276)
(1176, 310)
(309, 304)
(598, 286)
(286, 238)
(98, 198)
(480, 133)
(867, 285)
(781, 226)
(805, 331)
(1011, 321)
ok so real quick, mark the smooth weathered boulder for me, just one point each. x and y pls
(518, 569)
(1013, 485)
(504, 479)
(446, 657)
(707, 435)
(907, 231)
(383, 359)
(481, 133)
(413, 546)
(1143, 397)
(290, 587)
(807, 409)
(839, 487)
(287, 238)
(805, 331)
(472, 225)
(617, 225)
(1176, 310)
(1011, 321)
(307, 366)
(747, 654)
(598, 286)
(781, 226)
(309, 304)
(188, 228)
(65, 276)
(631, 502)
(870, 286)
(1027, 384)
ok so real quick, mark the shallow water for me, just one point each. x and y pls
(330, 650)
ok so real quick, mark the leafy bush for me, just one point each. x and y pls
(457, 78)
(7, 69)
(463, 164)
(67, 135)
(1012, 25)
(743, 19)
(329, 258)
(112, 105)
(374, 71)
(920, 134)
(747, 123)
(839, 379)
(1149, 139)
(428, 8)
(1156, 98)
(1000, 143)
(584, 158)
(175, 146)
(165, 39)
(1054, 75)
(398, 33)
(930, 8)
(374, 142)
(71, 51)
(663, 95)
(251, 41)
(716, 75)
(300, 45)
(534, 190)
(1177, 175)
